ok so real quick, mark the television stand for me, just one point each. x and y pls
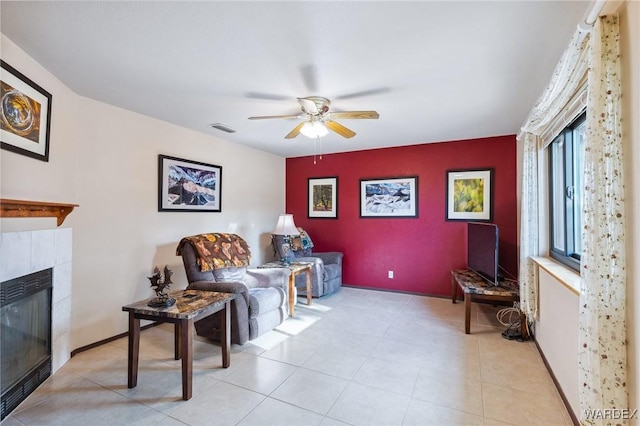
(475, 288)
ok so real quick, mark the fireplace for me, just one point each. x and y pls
(23, 253)
(25, 337)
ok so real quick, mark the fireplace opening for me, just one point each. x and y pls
(25, 336)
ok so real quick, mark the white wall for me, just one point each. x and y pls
(105, 159)
(558, 340)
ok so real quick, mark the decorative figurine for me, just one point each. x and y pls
(159, 285)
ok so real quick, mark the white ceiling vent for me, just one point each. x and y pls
(222, 127)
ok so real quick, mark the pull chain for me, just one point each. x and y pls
(315, 149)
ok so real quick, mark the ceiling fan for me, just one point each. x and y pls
(317, 118)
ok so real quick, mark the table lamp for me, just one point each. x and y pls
(285, 227)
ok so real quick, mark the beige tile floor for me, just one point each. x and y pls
(358, 357)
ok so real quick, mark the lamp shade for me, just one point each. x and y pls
(285, 226)
(314, 129)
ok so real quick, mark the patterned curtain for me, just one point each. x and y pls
(603, 351)
(529, 228)
(566, 81)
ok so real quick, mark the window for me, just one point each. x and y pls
(566, 155)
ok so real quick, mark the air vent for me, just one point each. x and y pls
(222, 127)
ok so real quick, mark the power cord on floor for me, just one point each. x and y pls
(512, 319)
(512, 316)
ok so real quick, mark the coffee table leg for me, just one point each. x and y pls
(186, 343)
(467, 313)
(292, 293)
(134, 350)
(454, 289)
(226, 338)
(176, 341)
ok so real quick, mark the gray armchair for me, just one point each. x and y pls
(213, 262)
(327, 266)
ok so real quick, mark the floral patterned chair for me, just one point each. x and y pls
(219, 262)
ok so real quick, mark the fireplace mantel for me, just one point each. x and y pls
(21, 208)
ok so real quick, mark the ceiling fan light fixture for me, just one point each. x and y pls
(314, 129)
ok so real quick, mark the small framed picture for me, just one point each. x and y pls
(25, 114)
(188, 186)
(469, 195)
(389, 197)
(323, 198)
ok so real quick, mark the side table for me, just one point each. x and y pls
(190, 306)
(296, 269)
(476, 288)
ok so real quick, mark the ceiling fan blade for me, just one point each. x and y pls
(264, 117)
(339, 129)
(355, 114)
(295, 132)
(267, 96)
(363, 93)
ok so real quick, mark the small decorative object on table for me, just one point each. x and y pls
(159, 284)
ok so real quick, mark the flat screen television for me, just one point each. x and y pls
(482, 250)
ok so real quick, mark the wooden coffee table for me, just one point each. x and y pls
(477, 289)
(190, 306)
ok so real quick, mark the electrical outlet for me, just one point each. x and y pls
(390, 274)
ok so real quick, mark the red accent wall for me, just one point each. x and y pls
(421, 251)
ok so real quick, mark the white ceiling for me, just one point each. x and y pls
(435, 71)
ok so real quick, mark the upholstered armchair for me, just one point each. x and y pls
(219, 262)
(327, 266)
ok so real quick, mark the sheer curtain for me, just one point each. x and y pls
(603, 351)
(553, 105)
(529, 228)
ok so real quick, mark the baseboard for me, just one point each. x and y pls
(108, 340)
(574, 419)
(413, 293)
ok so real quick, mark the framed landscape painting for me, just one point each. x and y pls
(188, 186)
(469, 195)
(389, 197)
(323, 198)
(25, 114)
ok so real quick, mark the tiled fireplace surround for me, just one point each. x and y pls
(22, 253)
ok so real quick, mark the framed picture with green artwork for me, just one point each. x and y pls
(469, 195)
(323, 197)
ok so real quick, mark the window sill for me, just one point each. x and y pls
(566, 276)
